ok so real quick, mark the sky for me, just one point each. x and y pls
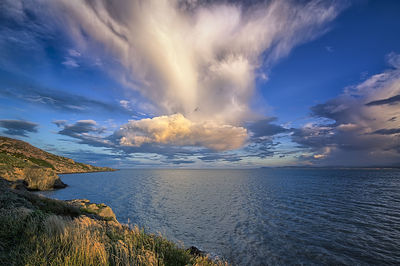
(203, 84)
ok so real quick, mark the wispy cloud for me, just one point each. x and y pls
(69, 62)
(74, 53)
(29, 92)
(329, 49)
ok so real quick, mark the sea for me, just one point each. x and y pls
(266, 216)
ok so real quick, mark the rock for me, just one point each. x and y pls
(41, 179)
(195, 251)
(89, 208)
(18, 185)
(107, 212)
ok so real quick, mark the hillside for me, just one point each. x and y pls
(35, 168)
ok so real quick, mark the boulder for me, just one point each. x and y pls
(101, 210)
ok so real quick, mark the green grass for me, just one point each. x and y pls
(21, 161)
(41, 162)
(12, 161)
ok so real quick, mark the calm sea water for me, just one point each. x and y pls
(259, 216)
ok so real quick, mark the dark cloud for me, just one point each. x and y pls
(18, 127)
(358, 127)
(263, 132)
(261, 148)
(264, 128)
(390, 100)
(176, 162)
(220, 157)
(85, 131)
(81, 126)
(387, 131)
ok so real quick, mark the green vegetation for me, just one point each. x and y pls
(41, 231)
(20, 160)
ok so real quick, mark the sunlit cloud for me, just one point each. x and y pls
(198, 59)
(178, 130)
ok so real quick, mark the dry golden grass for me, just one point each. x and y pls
(40, 231)
(58, 240)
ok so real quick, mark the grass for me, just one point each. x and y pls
(40, 231)
(20, 160)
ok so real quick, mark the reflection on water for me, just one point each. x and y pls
(259, 216)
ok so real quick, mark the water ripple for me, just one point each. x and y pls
(262, 216)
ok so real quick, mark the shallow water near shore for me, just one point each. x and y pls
(258, 216)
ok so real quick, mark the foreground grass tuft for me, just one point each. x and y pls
(33, 234)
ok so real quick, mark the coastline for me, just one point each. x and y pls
(84, 172)
(44, 230)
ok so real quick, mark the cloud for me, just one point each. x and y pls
(74, 53)
(18, 127)
(222, 157)
(69, 62)
(387, 131)
(200, 58)
(27, 91)
(195, 58)
(390, 100)
(264, 128)
(360, 125)
(81, 126)
(181, 161)
(125, 104)
(180, 131)
(329, 49)
(86, 131)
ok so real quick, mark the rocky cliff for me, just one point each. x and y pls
(37, 169)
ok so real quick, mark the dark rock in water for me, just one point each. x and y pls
(59, 184)
(195, 251)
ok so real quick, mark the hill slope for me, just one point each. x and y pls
(35, 168)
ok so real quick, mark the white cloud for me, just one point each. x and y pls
(125, 104)
(195, 58)
(69, 62)
(74, 53)
(329, 49)
(178, 130)
(191, 58)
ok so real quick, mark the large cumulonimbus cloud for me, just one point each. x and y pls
(198, 59)
(365, 126)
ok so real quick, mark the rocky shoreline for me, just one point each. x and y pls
(36, 230)
(37, 169)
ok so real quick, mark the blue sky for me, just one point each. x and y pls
(199, 84)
